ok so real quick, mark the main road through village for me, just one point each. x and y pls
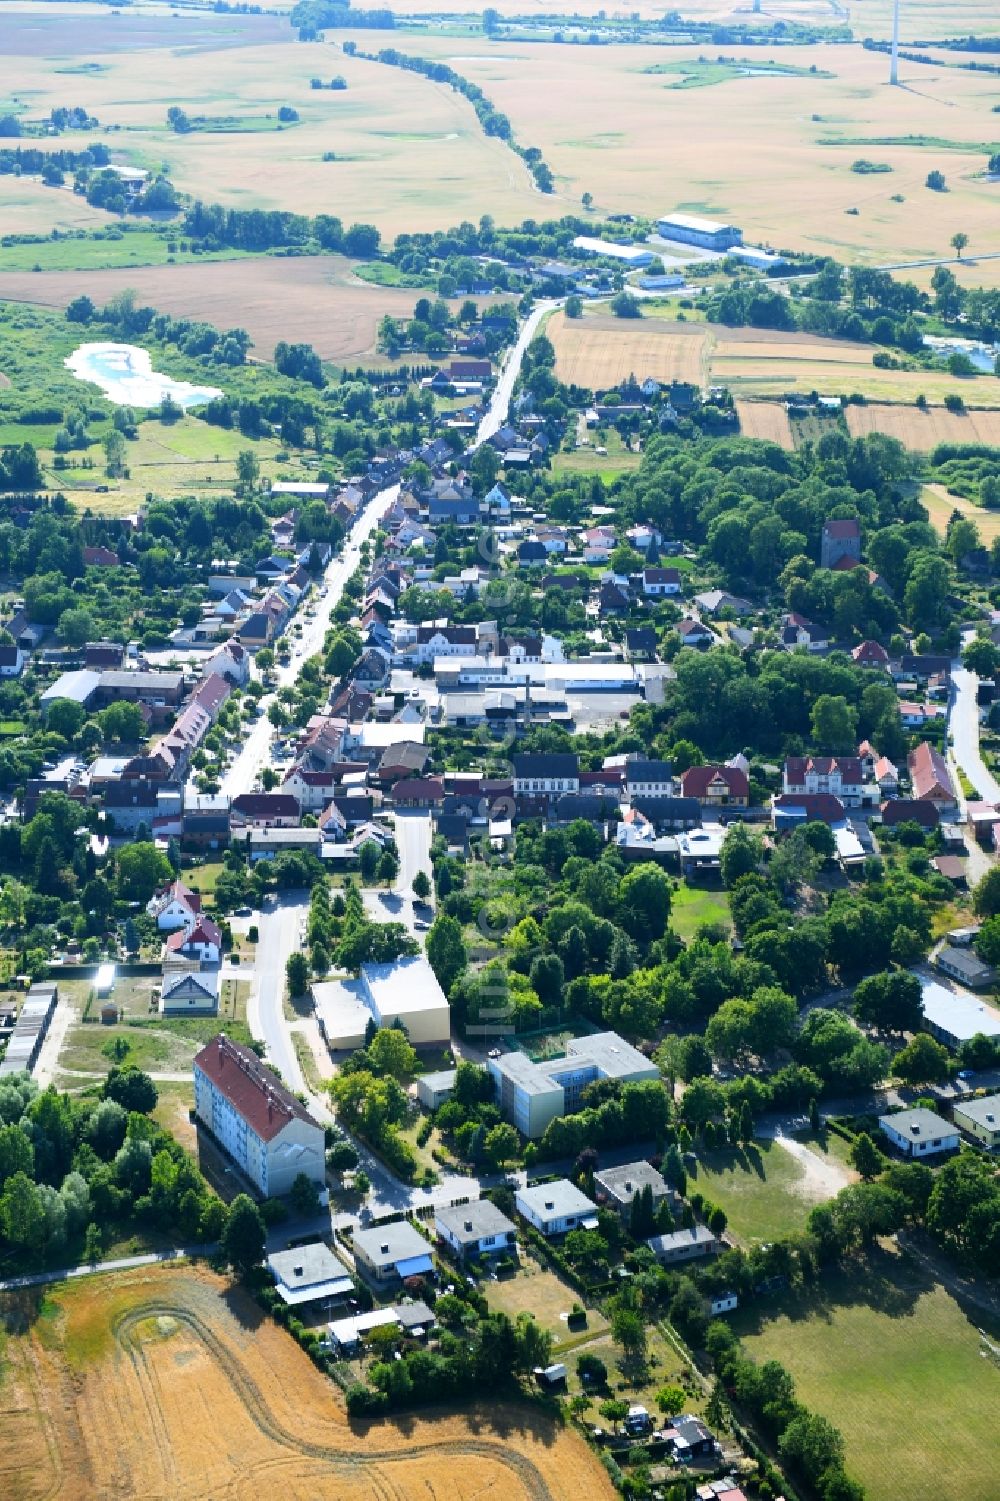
(280, 924)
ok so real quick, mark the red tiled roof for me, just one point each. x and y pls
(204, 931)
(696, 780)
(929, 774)
(253, 1090)
(843, 527)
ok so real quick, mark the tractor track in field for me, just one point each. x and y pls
(253, 1402)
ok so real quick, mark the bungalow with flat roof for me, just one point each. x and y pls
(309, 1274)
(683, 1245)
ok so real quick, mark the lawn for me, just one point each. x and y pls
(540, 1292)
(884, 1351)
(766, 1191)
(94, 252)
(691, 907)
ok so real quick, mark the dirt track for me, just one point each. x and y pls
(167, 1384)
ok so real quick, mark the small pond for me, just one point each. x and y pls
(126, 376)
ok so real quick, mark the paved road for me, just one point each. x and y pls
(44, 1279)
(496, 414)
(242, 773)
(963, 730)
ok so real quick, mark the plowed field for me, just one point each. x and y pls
(165, 1384)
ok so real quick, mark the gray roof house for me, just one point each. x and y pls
(395, 1250)
(555, 1208)
(308, 1273)
(476, 1229)
(683, 1245)
(620, 1185)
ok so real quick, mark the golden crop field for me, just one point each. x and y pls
(941, 505)
(767, 420)
(600, 350)
(753, 149)
(312, 298)
(26, 207)
(166, 1382)
(924, 429)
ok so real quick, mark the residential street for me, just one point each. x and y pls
(963, 728)
(241, 775)
(282, 921)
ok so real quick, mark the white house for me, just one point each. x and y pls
(555, 1208)
(843, 776)
(648, 779)
(660, 583)
(176, 906)
(476, 1229)
(598, 544)
(189, 992)
(919, 1133)
(202, 941)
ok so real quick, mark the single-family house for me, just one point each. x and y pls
(386, 1253)
(930, 778)
(175, 906)
(919, 1132)
(693, 633)
(660, 583)
(556, 1208)
(648, 779)
(202, 941)
(717, 786)
(620, 1185)
(476, 1229)
(188, 992)
(798, 632)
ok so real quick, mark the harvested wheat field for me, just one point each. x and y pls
(312, 298)
(767, 420)
(772, 153)
(167, 1383)
(941, 506)
(924, 428)
(599, 350)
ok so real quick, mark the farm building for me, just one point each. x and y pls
(631, 255)
(270, 1136)
(919, 1132)
(692, 229)
(953, 1015)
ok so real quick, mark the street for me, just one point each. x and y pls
(963, 730)
(282, 921)
(246, 766)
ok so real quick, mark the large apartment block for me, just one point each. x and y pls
(532, 1094)
(262, 1127)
